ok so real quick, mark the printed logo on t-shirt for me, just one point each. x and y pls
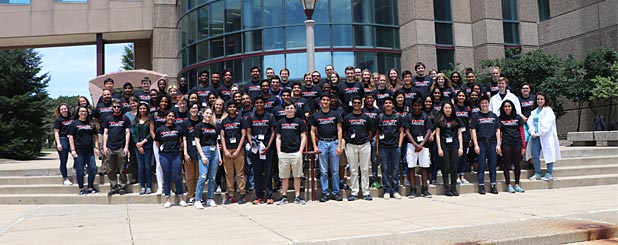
(254, 88)
(351, 90)
(382, 95)
(309, 93)
(388, 122)
(113, 124)
(372, 115)
(511, 122)
(417, 122)
(171, 133)
(360, 122)
(84, 127)
(327, 120)
(66, 122)
(203, 93)
(293, 126)
(259, 123)
(233, 125)
(527, 103)
(482, 120)
(409, 95)
(421, 83)
(208, 131)
(461, 114)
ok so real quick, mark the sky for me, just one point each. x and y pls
(70, 68)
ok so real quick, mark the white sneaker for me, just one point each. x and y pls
(465, 181)
(159, 192)
(397, 195)
(198, 205)
(212, 203)
(387, 196)
(459, 181)
(167, 204)
(183, 203)
(67, 182)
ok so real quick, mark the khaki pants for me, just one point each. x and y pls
(115, 162)
(237, 166)
(359, 156)
(191, 172)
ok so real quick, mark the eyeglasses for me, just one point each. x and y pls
(116, 106)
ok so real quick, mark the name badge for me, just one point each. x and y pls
(212, 148)
(463, 129)
(203, 104)
(218, 137)
(420, 138)
(260, 137)
(350, 103)
(262, 157)
(381, 136)
(233, 140)
(161, 147)
(449, 139)
(193, 143)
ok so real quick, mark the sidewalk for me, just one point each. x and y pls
(535, 215)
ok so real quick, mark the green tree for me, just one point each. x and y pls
(23, 104)
(606, 88)
(128, 61)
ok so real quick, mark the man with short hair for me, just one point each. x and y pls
(358, 129)
(358, 74)
(503, 94)
(203, 89)
(421, 81)
(327, 137)
(108, 83)
(144, 94)
(418, 127)
(291, 140)
(269, 73)
(310, 91)
(349, 89)
(233, 134)
(116, 137)
(389, 135)
(215, 79)
(225, 90)
(126, 95)
(270, 101)
(253, 87)
(183, 87)
(284, 74)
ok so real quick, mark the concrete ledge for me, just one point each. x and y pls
(611, 137)
(595, 138)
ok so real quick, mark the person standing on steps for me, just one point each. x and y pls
(418, 126)
(358, 129)
(291, 139)
(61, 125)
(84, 143)
(450, 146)
(140, 132)
(543, 137)
(513, 143)
(116, 137)
(233, 133)
(168, 139)
(485, 127)
(261, 136)
(205, 136)
(389, 135)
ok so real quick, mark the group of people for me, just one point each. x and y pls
(241, 136)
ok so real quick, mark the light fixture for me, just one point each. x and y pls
(309, 6)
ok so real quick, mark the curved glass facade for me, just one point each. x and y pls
(238, 34)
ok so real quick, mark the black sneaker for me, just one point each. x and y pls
(425, 193)
(228, 200)
(412, 193)
(121, 191)
(83, 192)
(493, 189)
(282, 201)
(299, 200)
(482, 189)
(242, 200)
(343, 185)
(447, 191)
(112, 192)
(324, 198)
(454, 190)
(351, 198)
(338, 198)
(93, 191)
(368, 198)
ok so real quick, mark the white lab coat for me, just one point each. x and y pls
(496, 101)
(548, 134)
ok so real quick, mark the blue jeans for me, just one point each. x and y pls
(535, 151)
(64, 156)
(329, 159)
(80, 161)
(249, 172)
(487, 154)
(435, 161)
(461, 166)
(389, 157)
(170, 163)
(207, 171)
(143, 167)
(263, 170)
(374, 160)
(403, 161)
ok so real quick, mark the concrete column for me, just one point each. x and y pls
(100, 54)
(310, 45)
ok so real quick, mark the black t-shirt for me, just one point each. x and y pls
(270, 103)
(202, 94)
(464, 113)
(254, 89)
(486, 125)
(389, 129)
(311, 94)
(418, 125)
(181, 117)
(492, 87)
(511, 134)
(346, 92)
(62, 124)
(233, 130)
(302, 105)
(402, 110)
(102, 111)
(279, 113)
(83, 136)
(448, 132)
(158, 117)
(142, 96)
(168, 138)
(207, 133)
(290, 130)
(409, 94)
(326, 123)
(372, 112)
(261, 126)
(116, 126)
(527, 104)
(422, 84)
(381, 94)
(357, 128)
(447, 94)
(189, 126)
(225, 92)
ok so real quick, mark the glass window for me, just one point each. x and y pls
(273, 13)
(295, 37)
(343, 36)
(544, 13)
(297, 64)
(444, 33)
(320, 15)
(397, 44)
(321, 60)
(294, 13)
(322, 35)
(181, 7)
(251, 14)
(385, 12)
(253, 41)
(365, 60)
(191, 27)
(363, 10)
(247, 63)
(216, 47)
(183, 32)
(184, 57)
(192, 55)
(202, 51)
(233, 44)
(385, 37)
(446, 58)
(234, 65)
(216, 18)
(363, 36)
(442, 10)
(274, 61)
(200, 2)
(511, 33)
(341, 60)
(509, 10)
(341, 11)
(386, 61)
(190, 4)
(273, 38)
(202, 22)
(232, 15)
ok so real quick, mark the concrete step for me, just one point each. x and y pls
(569, 152)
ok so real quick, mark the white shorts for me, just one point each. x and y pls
(290, 162)
(422, 157)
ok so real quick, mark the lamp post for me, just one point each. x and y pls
(309, 6)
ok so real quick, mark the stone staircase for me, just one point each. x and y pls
(579, 167)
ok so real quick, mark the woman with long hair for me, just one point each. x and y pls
(140, 133)
(543, 136)
(131, 114)
(456, 81)
(463, 112)
(513, 143)
(158, 119)
(394, 82)
(367, 80)
(168, 139)
(205, 136)
(82, 101)
(450, 146)
(61, 126)
(84, 142)
(444, 85)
